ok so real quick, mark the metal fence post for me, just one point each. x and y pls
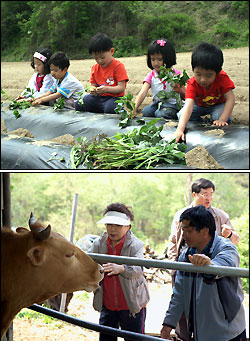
(71, 236)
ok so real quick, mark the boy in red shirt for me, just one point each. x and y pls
(108, 78)
(208, 92)
(123, 293)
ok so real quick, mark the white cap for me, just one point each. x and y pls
(114, 217)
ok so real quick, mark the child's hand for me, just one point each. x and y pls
(220, 123)
(19, 98)
(93, 91)
(177, 87)
(178, 134)
(134, 113)
(28, 100)
(113, 269)
(101, 90)
(37, 102)
(180, 89)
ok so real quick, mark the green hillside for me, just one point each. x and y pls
(132, 25)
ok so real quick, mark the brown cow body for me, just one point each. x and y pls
(38, 264)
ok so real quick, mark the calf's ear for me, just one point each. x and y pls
(36, 255)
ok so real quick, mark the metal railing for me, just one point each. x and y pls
(161, 264)
(93, 326)
(164, 264)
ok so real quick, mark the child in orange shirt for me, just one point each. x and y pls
(108, 78)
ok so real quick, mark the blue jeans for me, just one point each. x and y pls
(123, 319)
(97, 104)
(214, 111)
(166, 110)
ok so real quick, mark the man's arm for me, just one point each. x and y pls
(226, 228)
(172, 245)
(228, 232)
(165, 332)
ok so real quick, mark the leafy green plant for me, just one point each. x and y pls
(140, 148)
(125, 107)
(14, 105)
(59, 104)
(241, 225)
(54, 157)
(29, 314)
(168, 75)
(29, 91)
(81, 94)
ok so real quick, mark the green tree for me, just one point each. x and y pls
(241, 225)
(68, 25)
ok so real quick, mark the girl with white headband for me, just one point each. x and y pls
(123, 294)
(41, 80)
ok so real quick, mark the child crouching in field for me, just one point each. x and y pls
(123, 294)
(65, 84)
(160, 53)
(208, 92)
(108, 78)
(41, 80)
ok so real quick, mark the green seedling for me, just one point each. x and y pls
(59, 104)
(81, 94)
(125, 107)
(167, 74)
(15, 105)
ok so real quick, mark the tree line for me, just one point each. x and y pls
(132, 25)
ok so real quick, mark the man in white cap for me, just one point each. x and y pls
(123, 293)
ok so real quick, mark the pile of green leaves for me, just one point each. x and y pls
(15, 106)
(167, 74)
(141, 148)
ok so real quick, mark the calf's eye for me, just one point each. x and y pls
(70, 254)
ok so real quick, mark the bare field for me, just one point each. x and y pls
(15, 76)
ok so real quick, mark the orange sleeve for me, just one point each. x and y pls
(121, 73)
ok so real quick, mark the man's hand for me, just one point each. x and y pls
(220, 123)
(199, 260)
(165, 333)
(113, 269)
(226, 230)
